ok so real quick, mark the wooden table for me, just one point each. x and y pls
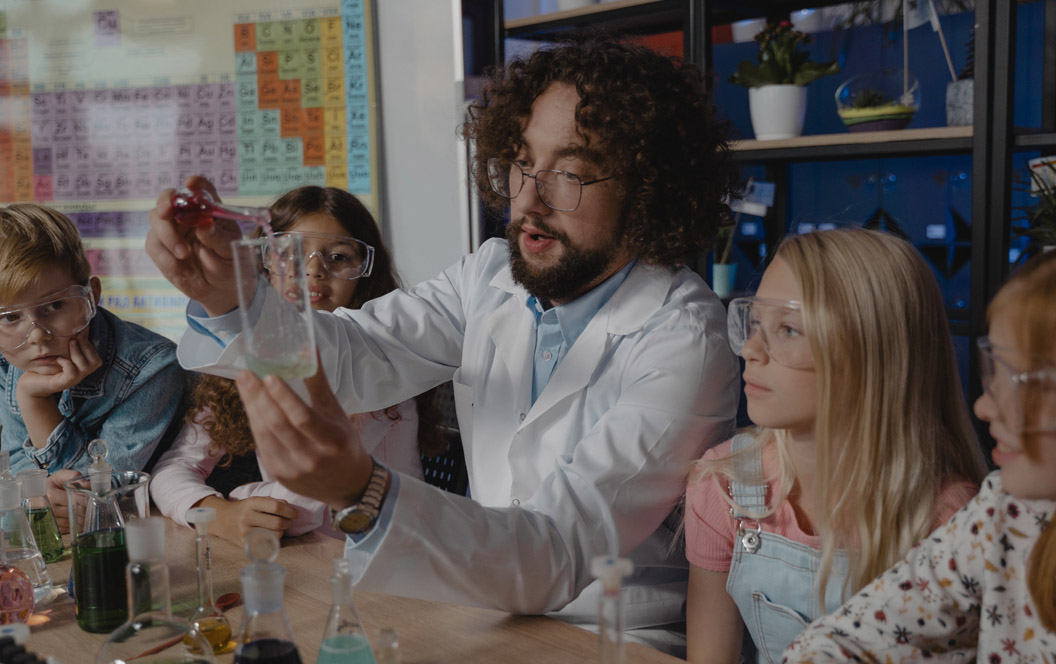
(428, 631)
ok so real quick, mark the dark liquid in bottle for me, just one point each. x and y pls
(99, 560)
(268, 651)
(46, 532)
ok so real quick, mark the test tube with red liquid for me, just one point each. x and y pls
(199, 208)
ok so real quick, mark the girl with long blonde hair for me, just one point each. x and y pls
(983, 586)
(863, 442)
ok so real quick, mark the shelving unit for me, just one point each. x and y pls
(991, 142)
(862, 145)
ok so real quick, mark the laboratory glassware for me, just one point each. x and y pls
(344, 640)
(16, 592)
(40, 513)
(151, 635)
(280, 339)
(20, 547)
(199, 208)
(266, 636)
(208, 619)
(610, 570)
(100, 504)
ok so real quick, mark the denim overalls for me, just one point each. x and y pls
(772, 579)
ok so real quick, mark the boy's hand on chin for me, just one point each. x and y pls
(63, 374)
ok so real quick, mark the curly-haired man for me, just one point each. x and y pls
(588, 368)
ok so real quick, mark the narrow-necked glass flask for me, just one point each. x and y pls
(266, 636)
(344, 641)
(610, 570)
(19, 544)
(37, 505)
(151, 635)
(207, 618)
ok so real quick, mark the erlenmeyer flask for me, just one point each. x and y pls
(344, 641)
(266, 636)
(20, 547)
(150, 635)
(41, 516)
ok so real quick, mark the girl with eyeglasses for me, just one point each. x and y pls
(862, 442)
(982, 587)
(213, 464)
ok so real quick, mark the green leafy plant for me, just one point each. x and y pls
(781, 60)
(1041, 217)
(870, 98)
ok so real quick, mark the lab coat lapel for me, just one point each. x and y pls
(511, 330)
(626, 311)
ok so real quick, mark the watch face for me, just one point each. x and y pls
(355, 522)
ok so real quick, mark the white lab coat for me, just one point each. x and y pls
(648, 385)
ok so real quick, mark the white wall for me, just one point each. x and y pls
(424, 200)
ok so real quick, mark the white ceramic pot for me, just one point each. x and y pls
(778, 111)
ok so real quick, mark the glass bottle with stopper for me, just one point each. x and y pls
(20, 546)
(151, 635)
(199, 208)
(266, 636)
(207, 618)
(344, 641)
(40, 513)
(610, 570)
(100, 505)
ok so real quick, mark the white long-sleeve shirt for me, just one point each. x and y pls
(178, 481)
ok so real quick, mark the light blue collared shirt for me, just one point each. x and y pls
(557, 328)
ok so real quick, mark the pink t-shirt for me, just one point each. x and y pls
(710, 529)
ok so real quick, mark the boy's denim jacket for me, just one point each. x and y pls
(133, 401)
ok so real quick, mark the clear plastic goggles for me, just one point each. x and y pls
(61, 315)
(780, 325)
(343, 257)
(1026, 399)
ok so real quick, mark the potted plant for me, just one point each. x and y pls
(777, 94)
(1040, 217)
(878, 100)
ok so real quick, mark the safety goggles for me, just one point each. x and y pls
(1027, 399)
(63, 314)
(343, 257)
(778, 322)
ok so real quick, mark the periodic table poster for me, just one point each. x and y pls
(105, 103)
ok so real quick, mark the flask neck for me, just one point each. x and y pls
(205, 573)
(148, 588)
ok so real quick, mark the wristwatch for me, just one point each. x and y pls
(361, 517)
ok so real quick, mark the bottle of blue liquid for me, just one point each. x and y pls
(344, 641)
(266, 636)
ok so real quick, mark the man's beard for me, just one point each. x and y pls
(576, 270)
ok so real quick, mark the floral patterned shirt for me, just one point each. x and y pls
(960, 595)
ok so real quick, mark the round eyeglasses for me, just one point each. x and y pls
(342, 257)
(1027, 399)
(780, 322)
(558, 190)
(63, 314)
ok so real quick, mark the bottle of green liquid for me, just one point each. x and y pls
(344, 641)
(40, 513)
